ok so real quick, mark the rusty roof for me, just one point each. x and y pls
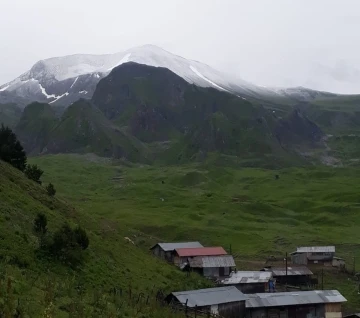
(291, 271)
(201, 251)
(212, 261)
(173, 246)
(247, 277)
(294, 298)
(209, 296)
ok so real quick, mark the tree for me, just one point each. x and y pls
(33, 172)
(81, 237)
(11, 150)
(51, 189)
(40, 223)
(67, 244)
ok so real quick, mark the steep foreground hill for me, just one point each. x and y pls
(32, 283)
(148, 114)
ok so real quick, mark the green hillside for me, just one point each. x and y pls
(32, 283)
(36, 122)
(9, 114)
(247, 209)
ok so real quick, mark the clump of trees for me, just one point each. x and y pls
(66, 244)
(12, 152)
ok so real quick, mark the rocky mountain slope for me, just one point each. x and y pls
(63, 80)
(148, 114)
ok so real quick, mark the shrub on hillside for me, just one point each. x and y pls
(11, 150)
(50, 190)
(40, 224)
(33, 172)
(81, 237)
(67, 244)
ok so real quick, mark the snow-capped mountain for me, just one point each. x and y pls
(63, 80)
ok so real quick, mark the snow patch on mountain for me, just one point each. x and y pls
(206, 79)
(74, 82)
(83, 92)
(4, 88)
(58, 97)
(43, 91)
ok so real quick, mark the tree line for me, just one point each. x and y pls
(12, 152)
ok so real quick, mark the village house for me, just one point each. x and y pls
(227, 302)
(294, 276)
(249, 282)
(302, 304)
(212, 266)
(166, 251)
(182, 255)
(313, 255)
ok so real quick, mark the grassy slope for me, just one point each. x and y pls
(245, 208)
(9, 114)
(110, 261)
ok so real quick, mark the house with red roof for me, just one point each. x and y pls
(207, 261)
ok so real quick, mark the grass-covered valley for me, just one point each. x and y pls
(248, 209)
(152, 158)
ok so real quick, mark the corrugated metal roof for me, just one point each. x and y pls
(316, 249)
(201, 251)
(294, 298)
(212, 261)
(291, 271)
(210, 296)
(247, 277)
(173, 246)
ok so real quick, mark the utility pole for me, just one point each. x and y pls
(322, 279)
(286, 270)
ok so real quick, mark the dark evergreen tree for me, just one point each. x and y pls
(40, 223)
(81, 237)
(33, 172)
(11, 150)
(51, 189)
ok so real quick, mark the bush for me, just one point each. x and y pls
(40, 223)
(67, 244)
(11, 150)
(33, 172)
(50, 190)
(81, 237)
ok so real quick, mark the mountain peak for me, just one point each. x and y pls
(62, 80)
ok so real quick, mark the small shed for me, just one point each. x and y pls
(183, 254)
(166, 251)
(338, 262)
(302, 304)
(227, 302)
(295, 276)
(212, 266)
(313, 255)
(249, 282)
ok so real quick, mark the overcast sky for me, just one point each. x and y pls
(313, 43)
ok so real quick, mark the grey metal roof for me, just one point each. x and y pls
(294, 298)
(210, 296)
(172, 246)
(291, 271)
(212, 261)
(247, 277)
(316, 249)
